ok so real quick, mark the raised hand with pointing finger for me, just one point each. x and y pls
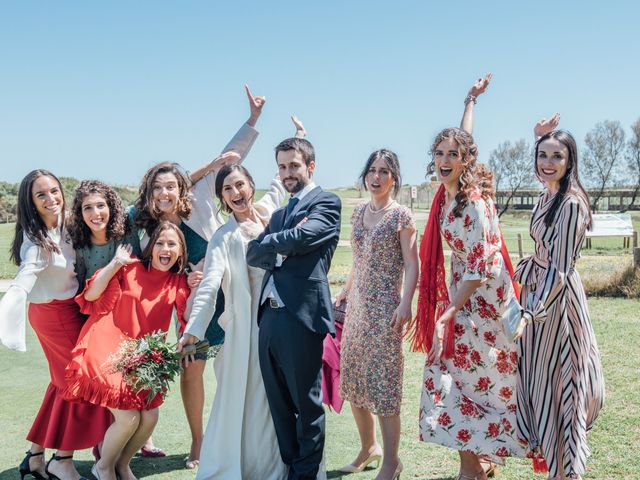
(255, 104)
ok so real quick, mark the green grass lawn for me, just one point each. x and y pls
(614, 440)
(512, 225)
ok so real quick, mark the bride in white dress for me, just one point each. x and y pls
(240, 440)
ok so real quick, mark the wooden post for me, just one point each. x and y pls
(520, 245)
(635, 239)
(636, 257)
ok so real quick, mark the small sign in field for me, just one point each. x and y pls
(613, 225)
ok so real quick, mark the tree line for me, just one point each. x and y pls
(9, 196)
(609, 159)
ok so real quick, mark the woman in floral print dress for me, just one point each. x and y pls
(379, 307)
(468, 399)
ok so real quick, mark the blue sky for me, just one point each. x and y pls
(107, 89)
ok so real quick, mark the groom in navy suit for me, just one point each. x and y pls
(296, 250)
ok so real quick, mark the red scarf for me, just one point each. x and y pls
(433, 296)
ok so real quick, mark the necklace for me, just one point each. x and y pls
(380, 210)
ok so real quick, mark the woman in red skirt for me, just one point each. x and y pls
(126, 299)
(46, 280)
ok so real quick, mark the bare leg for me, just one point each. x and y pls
(367, 431)
(471, 467)
(148, 421)
(36, 464)
(192, 390)
(64, 468)
(125, 424)
(390, 427)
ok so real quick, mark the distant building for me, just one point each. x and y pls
(613, 199)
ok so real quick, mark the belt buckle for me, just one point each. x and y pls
(273, 303)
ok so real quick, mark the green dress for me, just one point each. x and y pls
(92, 258)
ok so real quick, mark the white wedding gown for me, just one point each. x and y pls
(240, 440)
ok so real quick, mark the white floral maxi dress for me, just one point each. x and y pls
(561, 388)
(468, 402)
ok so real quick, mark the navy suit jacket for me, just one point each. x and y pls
(301, 280)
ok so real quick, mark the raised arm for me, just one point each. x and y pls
(240, 145)
(300, 131)
(102, 279)
(545, 126)
(477, 89)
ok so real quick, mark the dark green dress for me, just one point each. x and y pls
(196, 251)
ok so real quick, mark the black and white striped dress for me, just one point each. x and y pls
(561, 385)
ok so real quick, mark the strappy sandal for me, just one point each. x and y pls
(57, 458)
(490, 469)
(25, 469)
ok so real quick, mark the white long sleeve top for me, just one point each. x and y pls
(42, 277)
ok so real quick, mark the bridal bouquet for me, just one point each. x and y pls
(151, 363)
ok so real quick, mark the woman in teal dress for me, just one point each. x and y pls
(98, 224)
(168, 193)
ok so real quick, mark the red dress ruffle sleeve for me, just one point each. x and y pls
(137, 301)
(107, 300)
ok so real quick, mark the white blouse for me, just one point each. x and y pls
(41, 278)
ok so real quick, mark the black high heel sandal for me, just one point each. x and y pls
(57, 458)
(26, 470)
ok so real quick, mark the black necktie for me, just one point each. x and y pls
(293, 201)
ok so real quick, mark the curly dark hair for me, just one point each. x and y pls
(474, 175)
(147, 253)
(147, 213)
(117, 226)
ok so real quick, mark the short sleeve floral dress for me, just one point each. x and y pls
(371, 362)
(469, 401)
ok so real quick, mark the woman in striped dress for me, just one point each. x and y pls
(561, 386)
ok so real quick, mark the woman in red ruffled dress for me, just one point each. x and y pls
(126, 299)
(47, 283)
